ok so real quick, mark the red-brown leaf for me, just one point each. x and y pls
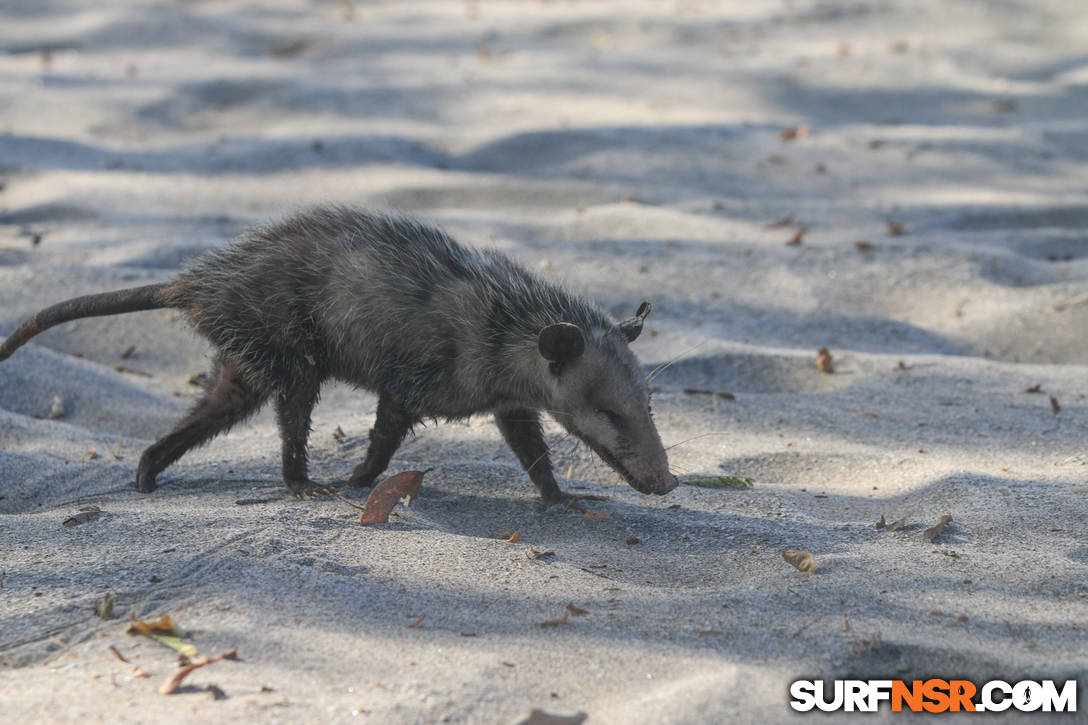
(387, 493)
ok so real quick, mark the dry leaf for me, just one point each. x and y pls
(174, 681)
(897, 525)
(163, 630)
(1037, 388)
(587, 514)
(384, 497)
(896, 229)
(216, 692)
(797, 238)
(534, 554)
(957, 617)
(1054, 405)
(783, 222)
(576, 611)
(288, 48)
(514, 537)
(937, 529)
(137, 672)
(415, 624)
(882, 523)
(802, 560)
(632, 540)
(864, 246)
(86, 513)
(200, 380)
(539, 717)
(132, 371)
(824, 360)
(793, 133)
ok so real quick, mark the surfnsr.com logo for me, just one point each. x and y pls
(933, 695)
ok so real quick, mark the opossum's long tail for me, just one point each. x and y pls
(107, 303)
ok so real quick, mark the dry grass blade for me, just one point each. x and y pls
(557, 622)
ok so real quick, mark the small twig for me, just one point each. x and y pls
(348, 501)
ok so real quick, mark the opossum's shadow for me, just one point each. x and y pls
(669, 544)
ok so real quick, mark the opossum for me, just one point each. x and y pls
(392, 305)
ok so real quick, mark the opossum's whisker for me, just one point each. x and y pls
(662, 368)
(553, 412)
(693, 438)
(544, 455)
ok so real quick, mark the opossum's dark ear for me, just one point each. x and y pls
(632, 328)
(561, 342)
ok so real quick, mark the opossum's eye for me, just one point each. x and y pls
(614, 418)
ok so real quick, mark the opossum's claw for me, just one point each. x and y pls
(308, 489)
(570, 500)
(145, 480)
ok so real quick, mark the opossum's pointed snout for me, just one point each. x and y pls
(668, 483)
(665, 482)
(658, 484)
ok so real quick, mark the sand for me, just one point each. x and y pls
(636, 150)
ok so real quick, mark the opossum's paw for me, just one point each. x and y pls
(571, 500)
(306, 488)
(361, 477)
(145, 481)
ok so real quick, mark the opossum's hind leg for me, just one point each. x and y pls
(228, 401)
(294, 407)
(392, 423)
(521, 429)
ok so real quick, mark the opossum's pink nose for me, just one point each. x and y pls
(668, 483)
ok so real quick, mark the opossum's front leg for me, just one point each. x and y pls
(521, 429)
(294, 407)
(391, 424)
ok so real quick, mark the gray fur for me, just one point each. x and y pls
(436, 329)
